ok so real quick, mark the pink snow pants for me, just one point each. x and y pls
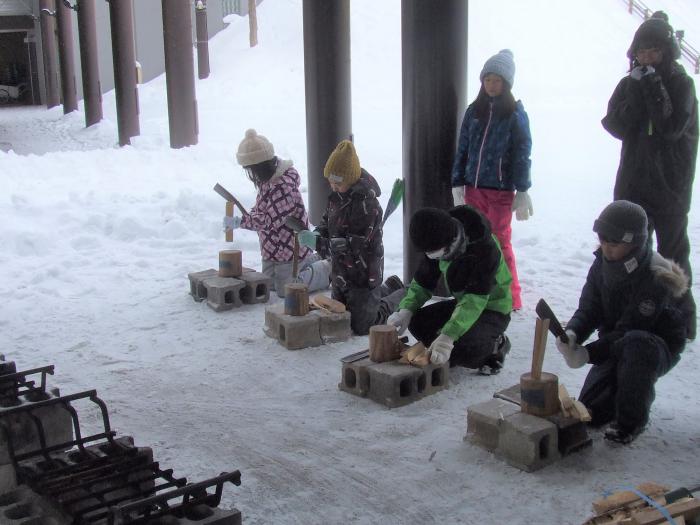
(496, 206)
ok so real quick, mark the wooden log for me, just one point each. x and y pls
(416, 355)
(688, 508)
(540, 397)
(384, 344)
(539, 346)
(229, 213)
(626, 498)
(296, 299)
(230, 263)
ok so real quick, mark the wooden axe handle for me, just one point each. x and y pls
(218, 188)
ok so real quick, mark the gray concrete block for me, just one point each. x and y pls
(223, 293)
(256, 287)
(334, 328)
(484, 421)
(292, 331)
(8, 478)
(528, 442)
(204, 515)
(392, 384)
(197, 289)
(23, 506)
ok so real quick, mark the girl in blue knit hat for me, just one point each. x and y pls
(491, 171)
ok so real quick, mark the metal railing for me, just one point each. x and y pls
(229, 7)
(688, 52)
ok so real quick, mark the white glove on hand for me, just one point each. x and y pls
(575, 355)
(522, 205)
(441, 349)
(231, 223)
(458, 195)
(641, 71)
(400, 320)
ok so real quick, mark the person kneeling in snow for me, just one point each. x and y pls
(632, 296)
(469, 329)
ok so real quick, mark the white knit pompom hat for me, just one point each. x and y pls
(254, 149)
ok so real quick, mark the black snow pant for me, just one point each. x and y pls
(367, 307)
(474, 347)
(622, 388)
(672, 242)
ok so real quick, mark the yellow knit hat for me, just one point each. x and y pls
(343, 164)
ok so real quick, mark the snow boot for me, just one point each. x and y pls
(495, 361)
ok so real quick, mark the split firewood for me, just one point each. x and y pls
(417, 355)
(572, 408)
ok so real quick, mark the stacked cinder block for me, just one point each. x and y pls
(302, 331)
(55, 420)
(225, 293)
(524, 441)
(392, 383)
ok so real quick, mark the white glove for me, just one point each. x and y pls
(575, 355)
(641, 71)
(522, 206)
(441, 349)
(400, 320)
(458, 195)
(231, 223)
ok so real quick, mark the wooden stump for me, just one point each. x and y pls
(384, 343)
(230, 263)
(296, 299)
(540, 397)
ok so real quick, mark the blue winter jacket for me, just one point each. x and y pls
(494, 153)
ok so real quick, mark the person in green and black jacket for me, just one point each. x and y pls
(468, 330)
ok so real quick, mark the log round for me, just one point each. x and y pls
(540, 397)
(383, 343)
(230, 263)
(296, 299)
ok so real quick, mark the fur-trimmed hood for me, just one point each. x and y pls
(670, 274)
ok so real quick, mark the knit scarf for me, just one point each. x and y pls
(616, 273)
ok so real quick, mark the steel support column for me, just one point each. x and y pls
(121, 23)
(327, 87)
(64, 24)
(434, 64)
(202, 39)
(179, 72)
(92, 93)
(48, 48)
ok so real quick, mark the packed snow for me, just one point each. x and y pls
(97, 242)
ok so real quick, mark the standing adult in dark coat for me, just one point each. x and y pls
(654, 111)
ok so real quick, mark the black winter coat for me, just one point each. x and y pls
(647, 300)
(657, 120)
(351, 235)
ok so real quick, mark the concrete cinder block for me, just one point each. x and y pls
(197, 289)
(484, 421)
(23, 506)
(205, 515)
(572, 434)
(392, 384)
(528, 442)
(256, 287)
(294, 332)
(334, 328)
(223, 293)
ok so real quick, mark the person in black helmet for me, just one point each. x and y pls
(632, 296)
(467, 330)
(654, 112)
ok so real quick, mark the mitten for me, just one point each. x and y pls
(575, 355)
(441, 349)
(231, 223)
(522, 206)
(400, 320)
(641, 71)
(458, 195)
(308, 238)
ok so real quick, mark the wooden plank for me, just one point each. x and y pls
(627, 497)
(541, 327)
(688, 508)
(229, 213)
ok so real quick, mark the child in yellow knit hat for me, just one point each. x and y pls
(350, 234)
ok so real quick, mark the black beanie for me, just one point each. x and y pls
(432, 229)
(622, 221)
(655, 32)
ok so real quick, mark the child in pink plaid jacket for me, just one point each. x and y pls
(277, 183)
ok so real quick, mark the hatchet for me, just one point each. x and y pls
(545, 312)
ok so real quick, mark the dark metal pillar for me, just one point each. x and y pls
(92, 93)
(64, 23)
(124, 57)
(179, 72)
(48, 47)
(327, 86)
(202, 39)
(434, 64)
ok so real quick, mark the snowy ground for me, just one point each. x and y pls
(97, 242)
